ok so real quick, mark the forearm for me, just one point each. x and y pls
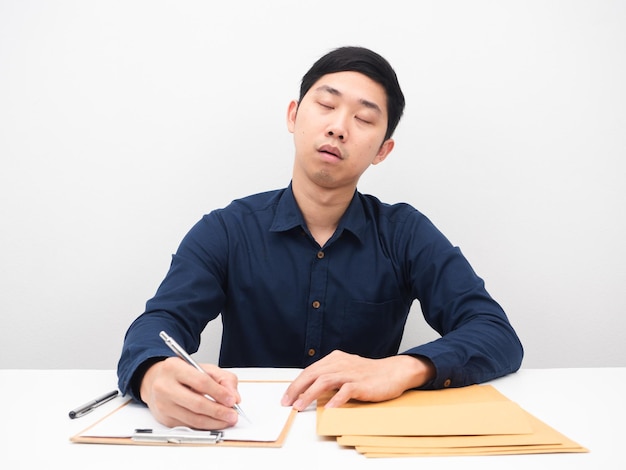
(142, 345)
(477, 352)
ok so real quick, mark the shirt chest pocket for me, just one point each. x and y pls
(373, 329)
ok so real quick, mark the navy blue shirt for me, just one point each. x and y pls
(287, 302)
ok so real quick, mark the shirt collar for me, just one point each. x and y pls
(289, 216)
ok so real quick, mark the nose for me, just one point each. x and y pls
(332, 133)
(337, 125)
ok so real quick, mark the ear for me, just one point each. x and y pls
(385, 149)
(292, 111)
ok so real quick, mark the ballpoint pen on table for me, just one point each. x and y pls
(91, 405)
(180, 352)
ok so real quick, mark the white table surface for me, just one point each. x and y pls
(586, 405)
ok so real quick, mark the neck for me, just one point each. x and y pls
(322, 208)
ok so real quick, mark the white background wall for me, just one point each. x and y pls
(122, 122)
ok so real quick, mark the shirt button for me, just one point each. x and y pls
(447, 383)
(320, 254)
(316, 304)
(311, 352)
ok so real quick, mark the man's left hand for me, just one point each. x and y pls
(356, 377)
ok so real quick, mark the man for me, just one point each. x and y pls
(318, 275)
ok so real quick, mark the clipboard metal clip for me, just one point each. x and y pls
(178, 435)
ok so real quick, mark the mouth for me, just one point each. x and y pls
(331, 151)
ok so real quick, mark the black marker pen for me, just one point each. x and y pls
(90, 406)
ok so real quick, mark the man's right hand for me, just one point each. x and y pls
(174, 391)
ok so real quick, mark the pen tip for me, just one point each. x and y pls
(241, 413)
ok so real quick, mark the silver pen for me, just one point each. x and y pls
(180, 352)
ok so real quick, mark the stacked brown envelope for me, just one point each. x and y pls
(474, 420)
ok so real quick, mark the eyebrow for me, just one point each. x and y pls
(334, 91)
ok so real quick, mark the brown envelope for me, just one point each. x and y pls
(473, 410)
(475, 420)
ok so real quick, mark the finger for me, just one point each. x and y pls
(202, 412)
(347, 392)
(327, 365)
(298, 386)
(321, 386)
(206, 384)
(224, 378)
(173, 400)
(218, 417)
(182, 406)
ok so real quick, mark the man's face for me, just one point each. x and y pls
(339, 128)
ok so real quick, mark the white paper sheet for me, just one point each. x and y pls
(260, 401)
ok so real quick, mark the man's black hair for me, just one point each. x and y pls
(370, 64)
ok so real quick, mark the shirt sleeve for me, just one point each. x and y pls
(477, 341)
(189, 297)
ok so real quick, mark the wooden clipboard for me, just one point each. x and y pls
(86, 436)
